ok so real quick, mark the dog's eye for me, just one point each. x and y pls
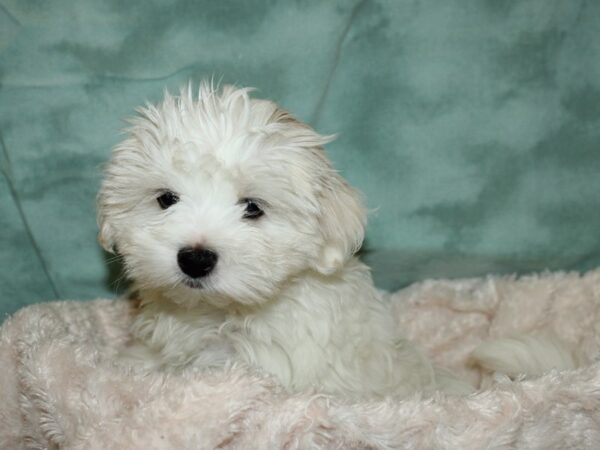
(253, 210)
(167, 199)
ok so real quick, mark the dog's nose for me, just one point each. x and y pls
(196, 262)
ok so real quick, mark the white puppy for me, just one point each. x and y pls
(240, 240)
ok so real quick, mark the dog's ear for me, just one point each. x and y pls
(342, 216)
(342, 222)
(106, 236)
(106, 239)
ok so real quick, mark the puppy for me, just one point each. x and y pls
(239, 238)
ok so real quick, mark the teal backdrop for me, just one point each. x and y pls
(472, 127)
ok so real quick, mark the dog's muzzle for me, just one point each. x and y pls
(196, 262)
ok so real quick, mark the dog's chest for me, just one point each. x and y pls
(289, 345)
(287, 340)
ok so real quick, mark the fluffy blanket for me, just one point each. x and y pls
(60, 387)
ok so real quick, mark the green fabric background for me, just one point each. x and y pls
(472, 127)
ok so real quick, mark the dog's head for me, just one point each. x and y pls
(223, 198)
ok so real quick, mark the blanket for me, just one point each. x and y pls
(61, 388)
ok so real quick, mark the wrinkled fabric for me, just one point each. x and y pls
(472, 127)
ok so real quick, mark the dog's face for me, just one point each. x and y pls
(223, 198)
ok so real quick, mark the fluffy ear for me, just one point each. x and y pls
(343, 219)
(106, 236)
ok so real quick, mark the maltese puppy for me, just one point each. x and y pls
(239, 238)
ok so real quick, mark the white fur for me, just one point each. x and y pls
(287, 294)
(525, 355)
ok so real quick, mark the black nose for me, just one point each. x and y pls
(196, 262)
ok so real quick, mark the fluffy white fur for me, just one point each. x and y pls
(287, 294)
(525, 355)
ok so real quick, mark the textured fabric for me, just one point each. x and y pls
(471, 126)
(63, 388)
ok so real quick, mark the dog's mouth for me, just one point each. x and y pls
(192, 283)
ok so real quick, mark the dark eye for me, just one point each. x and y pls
(167, 199)
(252, 210)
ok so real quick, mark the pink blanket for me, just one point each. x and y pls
(60, 387)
